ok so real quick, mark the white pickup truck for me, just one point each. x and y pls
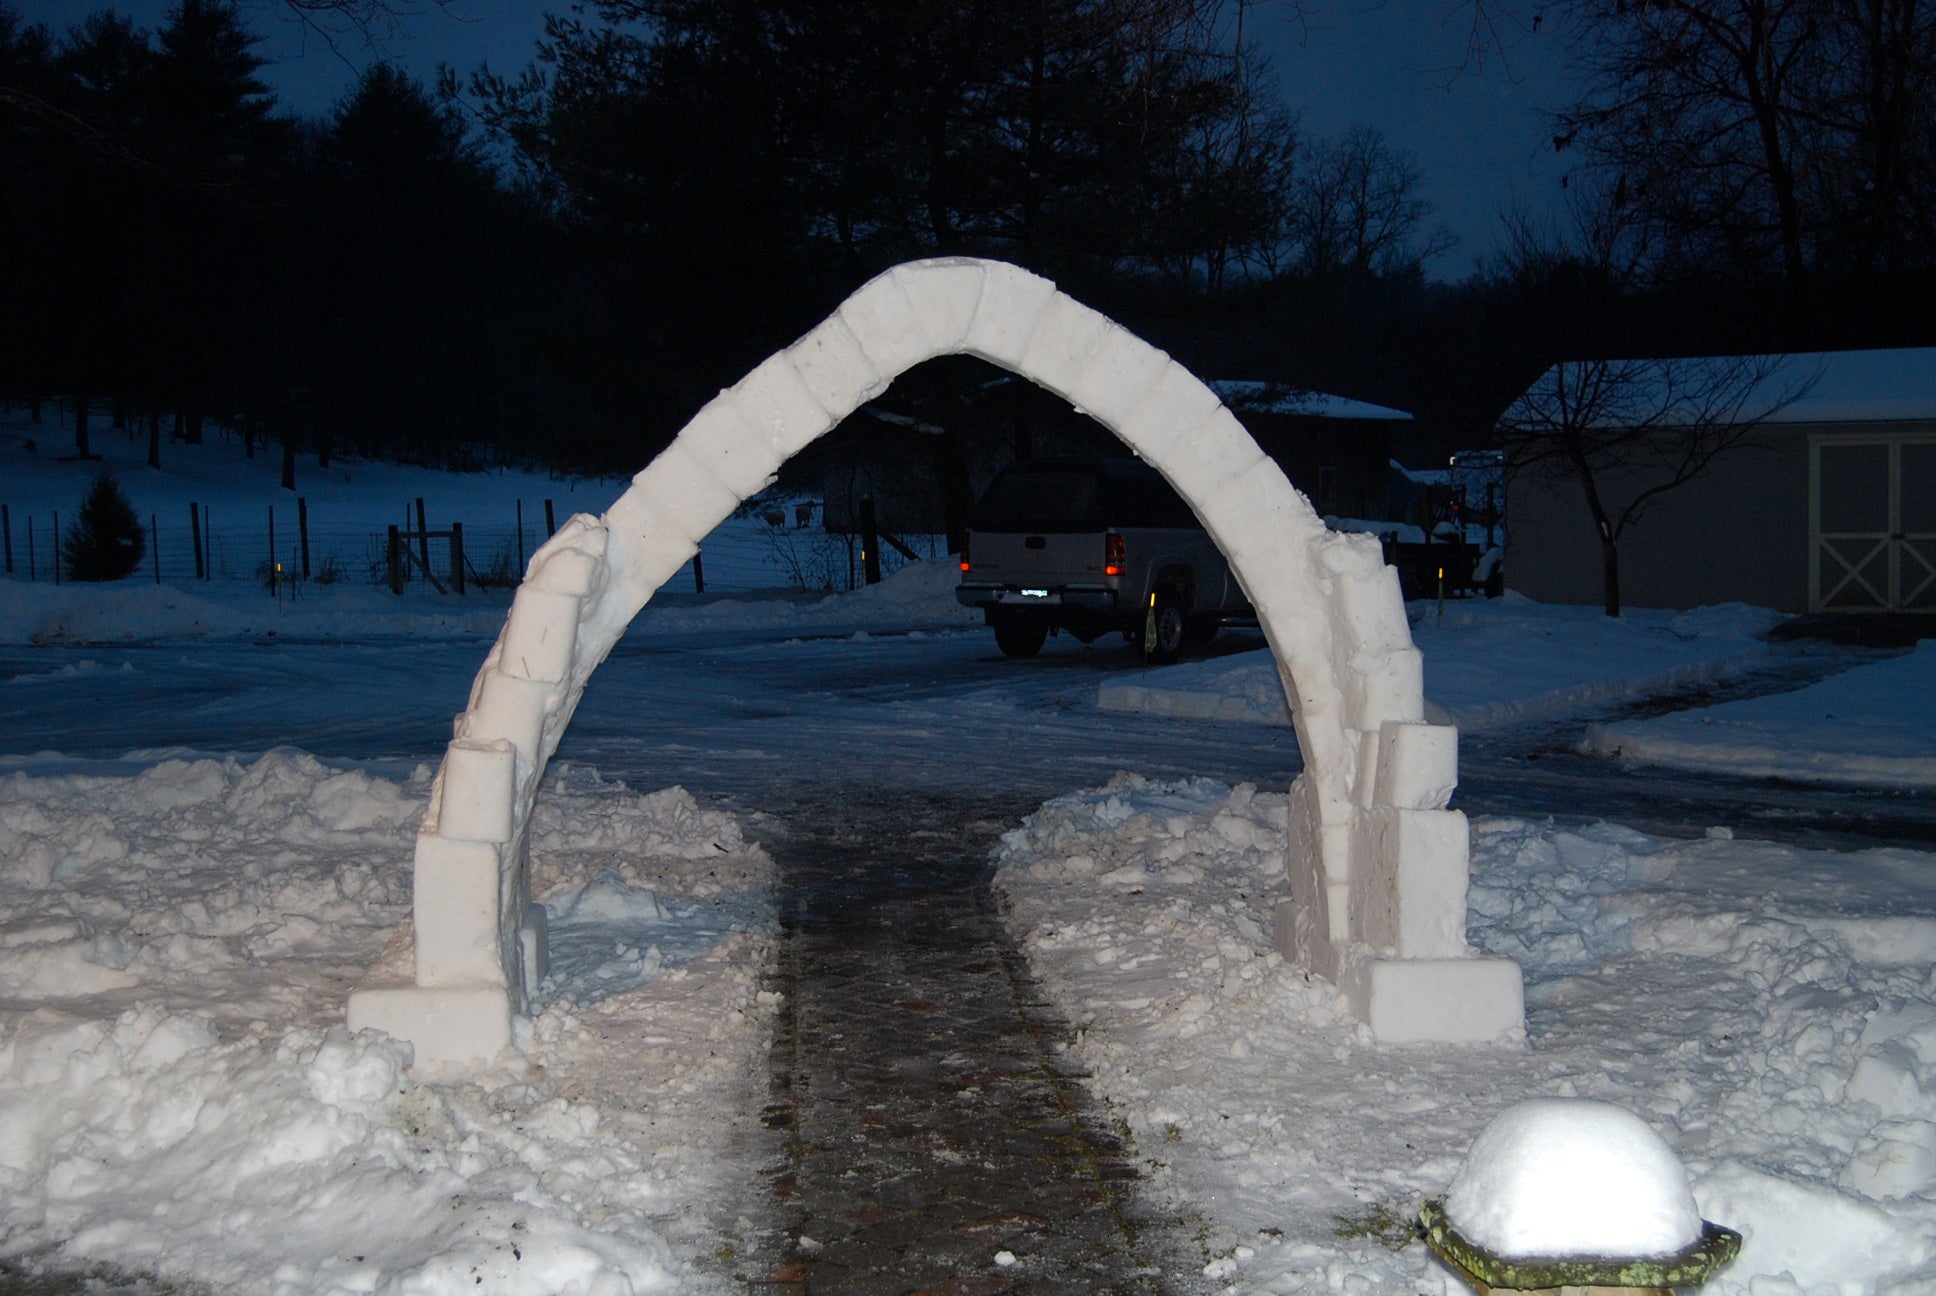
(1091, 545)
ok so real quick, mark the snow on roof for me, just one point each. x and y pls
(1833, 386)
(1282, 398)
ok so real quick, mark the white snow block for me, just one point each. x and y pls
(1007, 314)
(456, 885)
(777, 398)
(1409, 880)
(1370, 606)
(647, 548)
(1175, 405)
(1119, 374)
(883, 321)
(1418, 765)
(1219, 451)
(1064, 339)
(944, 292)
(534, 949)
(512, 709)
(741, 455)
(569, 562)
(680, 488)
(539, 635)
(449, 1029)
(1258, 518)
(1383, 687)
(835, 368)
(480, 783)
(1443, 1001)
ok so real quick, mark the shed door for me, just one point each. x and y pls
(1872, 524)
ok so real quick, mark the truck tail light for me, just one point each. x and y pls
(1114, 555)
(964, 553)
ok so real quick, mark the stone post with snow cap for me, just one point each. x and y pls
(1377, 863)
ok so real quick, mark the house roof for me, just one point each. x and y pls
(1805, 387)
(1282, 398)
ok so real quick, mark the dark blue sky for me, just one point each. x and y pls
(1477, 134)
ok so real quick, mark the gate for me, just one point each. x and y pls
(1872, 524)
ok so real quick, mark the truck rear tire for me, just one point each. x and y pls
(1020, 638)
(1170, 625)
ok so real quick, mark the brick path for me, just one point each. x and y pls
(939, 1142)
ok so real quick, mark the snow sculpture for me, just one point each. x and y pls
(1378, 864)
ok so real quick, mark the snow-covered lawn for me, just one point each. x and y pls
(1873, 726)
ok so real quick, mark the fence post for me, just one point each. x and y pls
(551, 526)
(208, 544)
(274, 591)
(154, 546)
(57, 546)
(195, 537)
(870, 543)
(698, 572)
(6, 530)
(393, 554)
(302, 529)
(423, 536)
(33, 568)
(457, 557)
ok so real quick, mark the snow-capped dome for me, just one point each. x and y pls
(1566, 1177)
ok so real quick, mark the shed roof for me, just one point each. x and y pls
(1282, 398)
(1834, 386)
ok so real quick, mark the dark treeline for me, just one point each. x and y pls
(562, 265)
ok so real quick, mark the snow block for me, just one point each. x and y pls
(740, 455)
(1119, 374)
(1220, 450)
(512, 709)
(777, 398)
(1067, 335)
(534, 947)
(480, 784)
(1257, 518)
(1444, 1001)
(1176, 405)
(680, 488)
(944, 292)
(456, 913)
(1010, 309)
(1382, 687)
(1370, 606)
(1408, 883)
(570, 562)
(647, 548)
(835, 368)
(886, 325)
(539, 635)
(1418, 765)
(449, 1029)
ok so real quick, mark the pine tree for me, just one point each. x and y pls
(107, 541)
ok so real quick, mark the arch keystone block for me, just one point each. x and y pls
(835, 368)
(480, 786)
(943, 293)
(540, 634)
(1011, 307)
(886, 326)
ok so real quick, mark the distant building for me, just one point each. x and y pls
(1337, 451)
(1829, 505)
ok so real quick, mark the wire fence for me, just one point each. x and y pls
(290, 546)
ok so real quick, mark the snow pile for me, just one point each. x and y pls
(1769, 1010)
(1570, 1177)
(1874, 725)
(1491, 662)
(176, 1097)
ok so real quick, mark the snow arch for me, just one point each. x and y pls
(1378, 867)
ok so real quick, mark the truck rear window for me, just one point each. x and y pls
(1079, 499)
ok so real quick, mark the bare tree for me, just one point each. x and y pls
(1629, 431)
(1355, 207)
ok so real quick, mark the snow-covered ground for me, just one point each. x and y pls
(177, 1095)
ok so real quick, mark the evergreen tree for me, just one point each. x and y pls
(107, 540)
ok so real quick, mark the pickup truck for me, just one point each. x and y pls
(1091, 545)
